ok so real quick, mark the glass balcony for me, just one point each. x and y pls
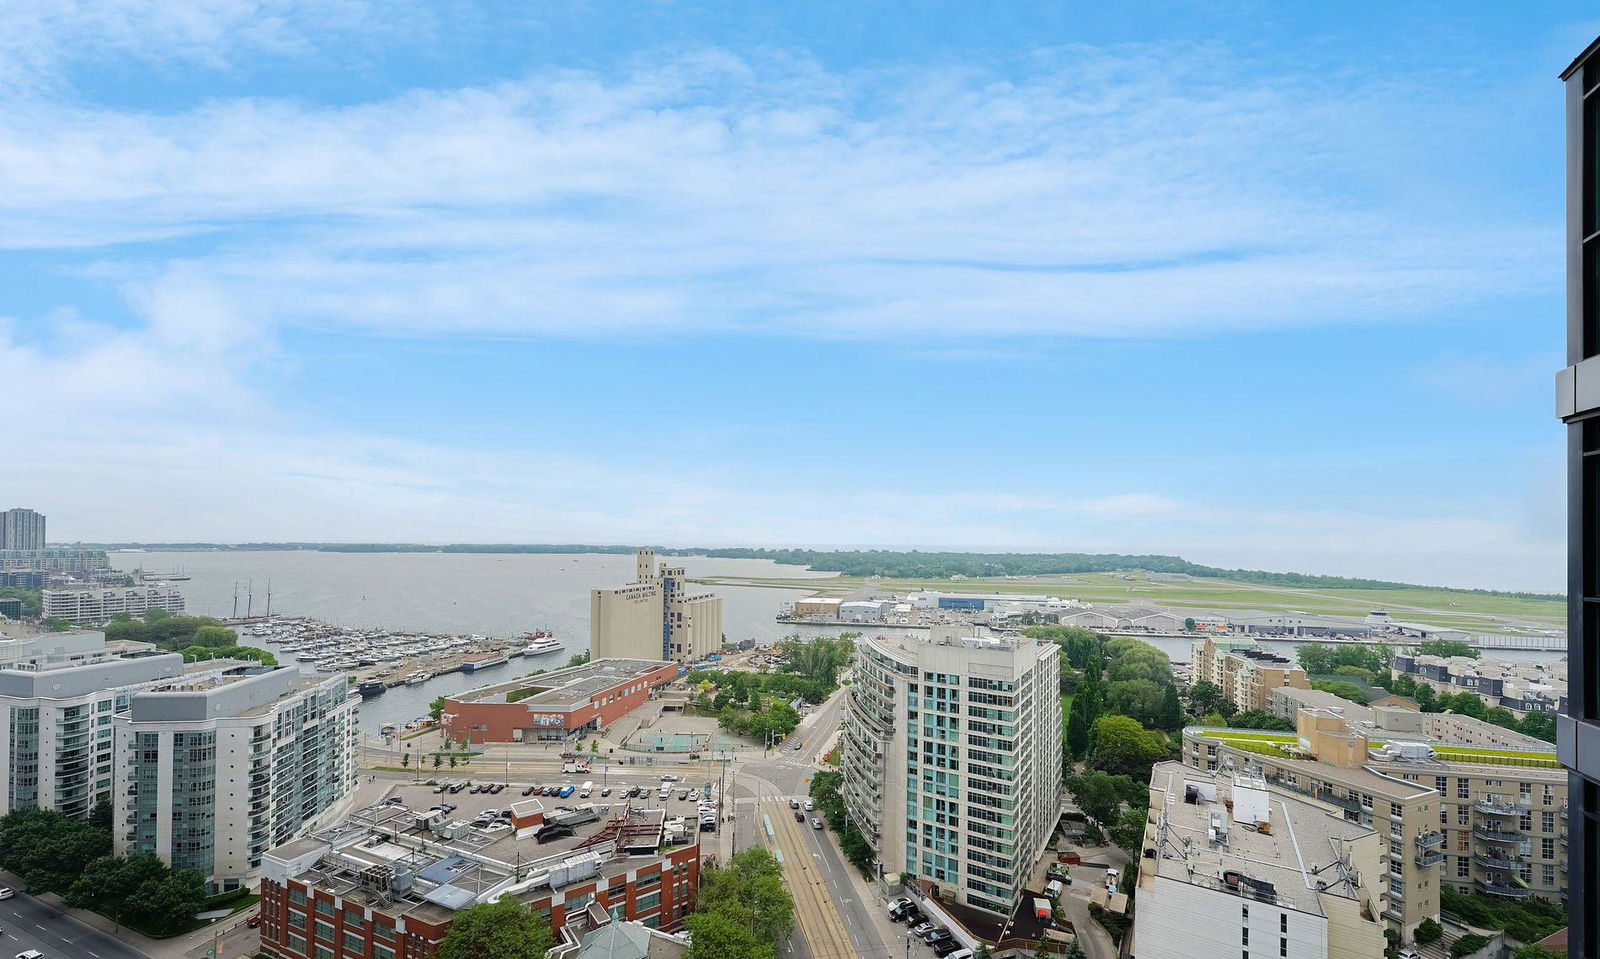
(1429, 839)
(1508, 863)
(1496, 835)
(1429, 857)
(1490, 807)
(1507, 890)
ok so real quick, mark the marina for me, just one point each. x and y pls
(378, 660)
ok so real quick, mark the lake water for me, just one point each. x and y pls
(488, 594)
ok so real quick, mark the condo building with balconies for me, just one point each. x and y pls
(952, 759)
(217, 767)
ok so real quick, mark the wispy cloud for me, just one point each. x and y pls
(1087, 193)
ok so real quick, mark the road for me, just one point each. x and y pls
(1092, 936)
(28, 923)
(837, 914)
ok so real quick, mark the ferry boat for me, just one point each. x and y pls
(418, 677)
(540, 643)
(370, 689)
(483, 661)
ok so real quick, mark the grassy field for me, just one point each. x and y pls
(1259, 741)
(1437, 606)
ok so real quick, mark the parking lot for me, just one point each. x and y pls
(639, 791)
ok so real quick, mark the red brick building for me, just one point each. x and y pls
(553, 705)
(387, 883)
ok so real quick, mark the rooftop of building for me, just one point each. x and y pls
(975, 637)
(568, 688)
(1209, 834)
(1287, 746)
(404, 859)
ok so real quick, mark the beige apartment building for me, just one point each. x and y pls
(1476, 812)
(1229, 862)
(1245, 673)
(654, 617)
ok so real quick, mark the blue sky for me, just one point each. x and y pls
(1266, 285)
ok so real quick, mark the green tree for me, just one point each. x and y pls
(1428, 930)
(107, 883)
(168, 904)
(1206, 697)
(436, 708)
(1446, 647)
(750, 890)
(1171, 716)
(1119, 745)
(1467, 945)
(1540, 725)
(504, 929)
(1078, 728)
(719, 934)
(1136, 698)
(1128, 831)
(1101, 795)
(438, 760)
(1535, 951)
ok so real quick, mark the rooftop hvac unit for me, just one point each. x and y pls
(455, 829)
(402, 880)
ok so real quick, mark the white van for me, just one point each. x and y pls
(664, 791)
(588, 788)
(1053, 889)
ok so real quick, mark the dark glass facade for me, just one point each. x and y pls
(1578, 405)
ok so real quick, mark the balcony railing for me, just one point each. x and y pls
(1496, 835)
(1507, 890)
(1508, 863)
(1343, 802)
(1429, 857)
(1490, 807)
(1428, 839)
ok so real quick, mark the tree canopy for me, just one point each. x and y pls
(743, 910)
(504, 929)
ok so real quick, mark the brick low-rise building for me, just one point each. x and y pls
(554, 705)
(388, 882)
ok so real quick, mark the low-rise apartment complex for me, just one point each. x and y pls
(655, 617)
(220, 765)
(1474, 811)
(1521, 687)
(1229, 863)
(53, 560)
(388, 882)
(96, 606)
(952, 758)
(1245, 673)
(554, 705)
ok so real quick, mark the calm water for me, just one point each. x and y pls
(491, 595)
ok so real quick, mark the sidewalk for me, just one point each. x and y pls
(237, 940)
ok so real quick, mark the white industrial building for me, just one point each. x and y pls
(952, 758)
(1230, 867)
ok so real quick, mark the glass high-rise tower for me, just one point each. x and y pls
(1578, 405)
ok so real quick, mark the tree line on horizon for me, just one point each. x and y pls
(898, 564)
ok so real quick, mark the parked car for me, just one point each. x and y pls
(959, 954)
(898, 908)
(394, 801)
(606, 791)
(456, 787)
(441, 787)
(566, 790)
(947, 946)
(912, 916)
(254, 921)
(917, 929)
(683, 795)
(551, 790)
(938, 936)
(530, 790)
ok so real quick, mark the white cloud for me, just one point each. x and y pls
(1087, 195)
(41, 39)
